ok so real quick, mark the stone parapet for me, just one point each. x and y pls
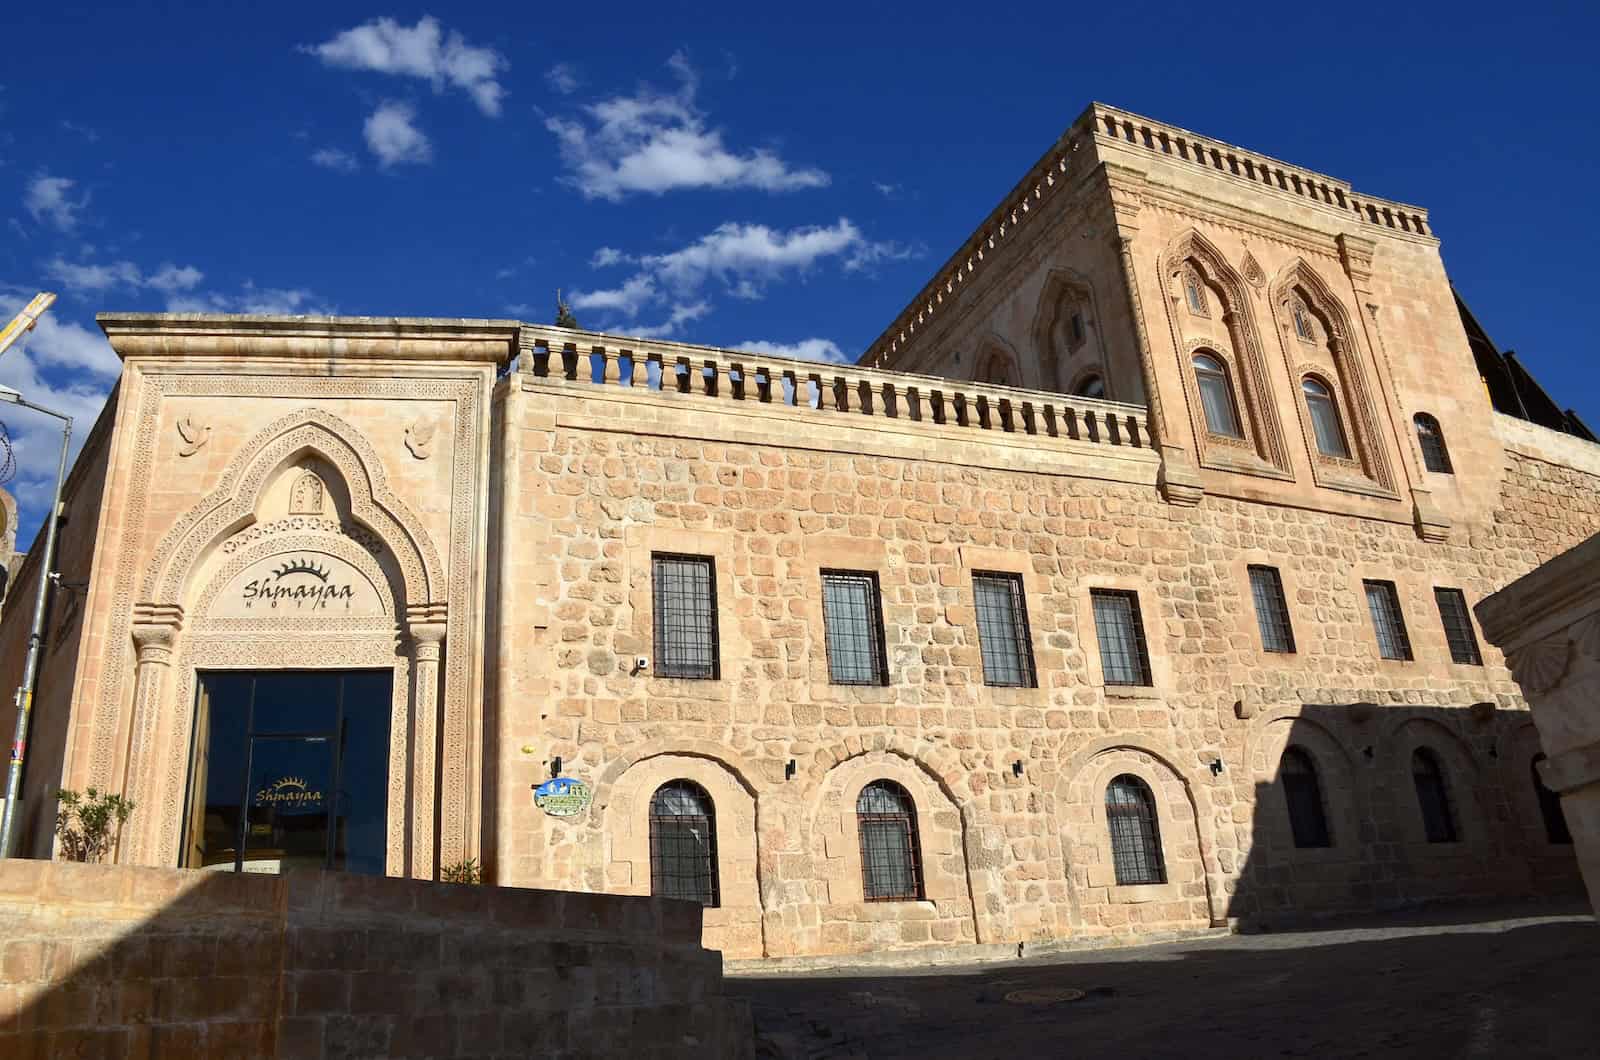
(135, 962)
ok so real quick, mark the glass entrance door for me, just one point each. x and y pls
(291, 770)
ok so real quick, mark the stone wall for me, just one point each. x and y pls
(101, 961)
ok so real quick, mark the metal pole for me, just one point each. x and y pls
(30, 672)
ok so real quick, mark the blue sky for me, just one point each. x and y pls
(783, 177)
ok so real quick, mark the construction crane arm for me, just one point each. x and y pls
(24, 321)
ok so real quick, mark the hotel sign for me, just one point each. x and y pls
(290, 795)
(299, 584)
(562, 797)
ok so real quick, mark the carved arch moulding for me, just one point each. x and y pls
(362, 527)
(1269, 453)
(1369, 470)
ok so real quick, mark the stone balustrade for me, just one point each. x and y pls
(814, 388)
(1255, 167)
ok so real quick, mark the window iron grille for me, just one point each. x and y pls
(1555, 819)
(1458, 626)
(891, 862)
(1435, 457)
(1383, 601)
(685, 599)
(1003, 636)
(1135, 832)
(852, 623)
(1308, 818)
(1124, 656)
(1433, 797)
(1272, 610)
(683, 844)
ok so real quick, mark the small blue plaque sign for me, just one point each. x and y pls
(562, 796)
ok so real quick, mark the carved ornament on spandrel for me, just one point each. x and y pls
(194, 436)
(419, 437)
(1251, 270)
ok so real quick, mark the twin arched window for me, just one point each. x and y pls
(1435, 457)
(1135, 832)
(1433, 797)
(891, 858)
(1325, 423)
(1308, 818)
(683, 844)
(1216, 396)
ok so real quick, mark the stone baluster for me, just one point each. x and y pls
(611, 374)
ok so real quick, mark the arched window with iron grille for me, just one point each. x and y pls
(1135, 832)
(1435, 457)
(1308, 818)
(1555, 821)
(683, 844)
(1433, 797)
(891, 858)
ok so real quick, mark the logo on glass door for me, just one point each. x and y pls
(301, 582)
(290, 795)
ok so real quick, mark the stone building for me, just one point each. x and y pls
(1124, 587)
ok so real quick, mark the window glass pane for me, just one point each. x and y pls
(1216, 398)
(1325, 420)
(1272, 611)
(1303, 795)
(1003, 630)
(683, 843)
(1383, 602)
(1434, 457)
(1135, 834)
(1458, 626)
(1124, 659)
(1433, 797)
(852, 626)
(685, 609)
(891, 865)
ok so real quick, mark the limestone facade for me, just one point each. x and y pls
(496, 495)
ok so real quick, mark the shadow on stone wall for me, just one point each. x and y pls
(113, 961)
(1350, 775)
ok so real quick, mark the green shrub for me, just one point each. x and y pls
(88, 825)
(468, 871)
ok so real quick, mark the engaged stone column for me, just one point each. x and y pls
(155, 630)
(1548, 624)
(426, 641)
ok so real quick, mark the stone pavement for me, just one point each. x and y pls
(1520, 982)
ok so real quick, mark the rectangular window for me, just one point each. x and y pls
(1384, 603)
(1272, 610)
(852, 623)
(1458, 626)
(685, 589)
(1003, 629)
(1124, 659)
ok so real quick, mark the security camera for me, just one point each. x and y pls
(641, 663)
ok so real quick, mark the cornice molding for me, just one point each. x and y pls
(183, 335)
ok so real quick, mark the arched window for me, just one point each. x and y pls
(1302, 322)
(1324, 418)
(683, 843)
(1433, 797)
(1307, 818)
(997, 370)
(1434, 455)
(891, 863)
(1092, 387)
(1216, 396)
(1135, 832)
(1555, 821)
(1194, 293)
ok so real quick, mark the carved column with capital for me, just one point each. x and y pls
(1179, 479)
(427, 641)
(155, 632)
(1548, 624)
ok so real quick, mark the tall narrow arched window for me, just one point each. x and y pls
(683, 844)
(1308, 819)
(1194, 293)
(1555, 821)
(1135, 832)
(1216, 396)
(1435, 457)
(1433, 797)
(1324, 418)
(891, 862)
(1092, 387)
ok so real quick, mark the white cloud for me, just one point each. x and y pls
(393, 137)
(657, 142)
(888, 191)
(49, 199)
(563, 78)
(253, 300)
(681, 315)
(335, 159)
(422, 51)
(742, 258)
(122, 274)
(804, 350)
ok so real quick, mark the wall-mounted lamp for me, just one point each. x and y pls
(555, 766)
(1216, 767)
(789, 770)
(1016, 768)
